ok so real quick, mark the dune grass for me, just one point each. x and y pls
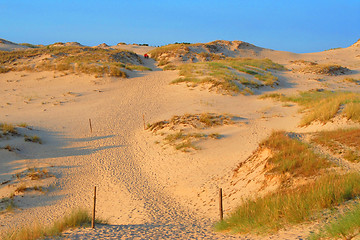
(7, 128)
(184, 137)
(324, 69)
(276, 210)
(290, 156)
(323, 106)
(137, 67)
(351, 80)
(341, 141)
(171, 48)
(346, 226)
(76, 218)
(93, 61)
(226, 75)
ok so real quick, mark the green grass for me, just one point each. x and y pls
(323, 106)
(290, 156)
(76, 218)
(137, 67)
(225, 75)
(346, 226)
(274, 211)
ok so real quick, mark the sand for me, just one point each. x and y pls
(144, 190)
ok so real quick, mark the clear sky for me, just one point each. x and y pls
(288, 25)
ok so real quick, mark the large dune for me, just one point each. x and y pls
(147, 189)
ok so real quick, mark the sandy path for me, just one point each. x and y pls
(125, 194)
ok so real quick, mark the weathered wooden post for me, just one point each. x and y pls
(90, 125)
(93, 213)
(221, 205)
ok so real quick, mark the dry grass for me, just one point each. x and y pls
(346, 226)
(345, 142)
(292, 157)
(34, 139)
(202, 121)
(7, 129)
(179, 130)
(227, 75)
(352, 80)
(274, 211)
(324, 69)
(171, 48)
(93, 61)
(323, 106)
(76, 218)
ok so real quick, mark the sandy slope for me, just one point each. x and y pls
(145, 191)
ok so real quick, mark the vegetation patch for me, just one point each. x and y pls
(7, 204)
(76, 218)
(229, 75)
(276, 210)
(352, 80)
(93, 61)
(292, 157)
(324, 69)
(8, 129)
(179, 130)
(345, 142)
(323, 106)
(346, 226)
(34, 139)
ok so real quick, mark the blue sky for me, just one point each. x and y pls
(291, 25)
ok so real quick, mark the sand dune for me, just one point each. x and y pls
(148, 190)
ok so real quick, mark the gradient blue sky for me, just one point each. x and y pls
(291, 25)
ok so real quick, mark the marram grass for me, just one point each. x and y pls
(76, 218)
(323, 106)
(276, 210)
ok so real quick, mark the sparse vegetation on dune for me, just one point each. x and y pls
(7, 129)
(323, 106)
(346, 226)
(227, 75)
(351, 80)
(179, 130)
(157, 52)
(292, 157)
(315, 68)
(94, 61)
(322, 188)
(345, 142)
(76, 218)
(276, 210)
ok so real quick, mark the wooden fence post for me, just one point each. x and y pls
(221, 205)
(93, 213)
(90, 125)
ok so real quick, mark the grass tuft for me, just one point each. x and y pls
(290, 156)
(274, 211)
(346, 226)
(76, 218)
(228, 75)
(323, 106)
